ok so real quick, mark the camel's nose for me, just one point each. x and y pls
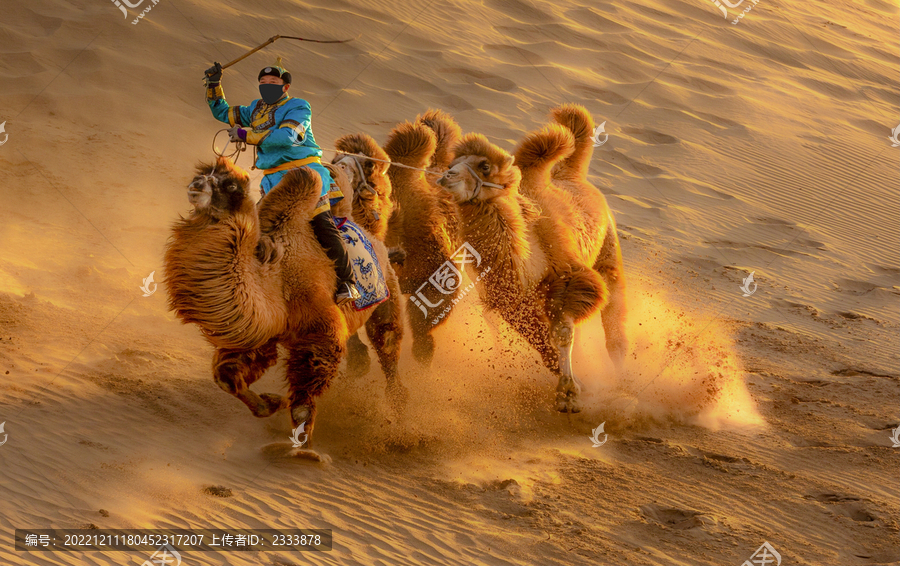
(442, 181)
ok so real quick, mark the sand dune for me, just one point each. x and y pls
(759, 147)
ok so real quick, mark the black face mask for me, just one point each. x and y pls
(271, 93)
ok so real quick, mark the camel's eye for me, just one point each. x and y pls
(486, 167)
(232, 187)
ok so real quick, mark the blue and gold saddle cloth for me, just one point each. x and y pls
(367, 272)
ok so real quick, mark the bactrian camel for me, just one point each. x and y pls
(252, 278)
(549, 238)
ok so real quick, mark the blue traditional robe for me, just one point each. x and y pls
(282, 133)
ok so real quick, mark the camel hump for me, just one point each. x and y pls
(542, 149)
(576, 119)
(411, 144)
(446, 131)
(299, 188)
(360, 143)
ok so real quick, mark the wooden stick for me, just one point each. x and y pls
(275, 37)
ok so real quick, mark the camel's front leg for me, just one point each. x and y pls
(235, 370)
(312, 365)
(428, 308)
(571, 297)
(568, 391)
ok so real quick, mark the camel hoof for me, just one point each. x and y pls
(307, 454)
(566, 403)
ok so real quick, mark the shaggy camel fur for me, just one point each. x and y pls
(252, 278)
(542, 236)
(425, 224)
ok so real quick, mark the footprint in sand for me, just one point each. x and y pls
(487, 80)
(680, 519)
(846, 506)
(650, 136)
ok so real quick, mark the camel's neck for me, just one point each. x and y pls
(407, 185)
(497, 229)
(215, 280)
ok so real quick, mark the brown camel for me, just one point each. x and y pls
(550, 242)
(425, 222)
(252, 278)
(371, 208)
(372, 204)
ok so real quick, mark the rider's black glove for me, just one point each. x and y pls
(214, 73)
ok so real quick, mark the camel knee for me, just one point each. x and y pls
(229, 377)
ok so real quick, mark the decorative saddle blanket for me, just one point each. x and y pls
(367, 271)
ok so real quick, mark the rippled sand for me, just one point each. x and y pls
(759, 147)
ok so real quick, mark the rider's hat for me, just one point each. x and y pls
(276, 70)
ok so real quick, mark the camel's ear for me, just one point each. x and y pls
(383, 167)
(510, 159)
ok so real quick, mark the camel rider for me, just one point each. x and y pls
(280, 128)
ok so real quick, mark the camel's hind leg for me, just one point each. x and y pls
(358, 362)
(609, 266)
(312, 364)
(385, 331)
(235, 370)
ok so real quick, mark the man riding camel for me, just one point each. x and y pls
(281, 129)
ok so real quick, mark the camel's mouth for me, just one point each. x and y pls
(200, 198)
(454, 182)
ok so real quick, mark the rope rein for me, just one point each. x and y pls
(241, 146)
(388, 161)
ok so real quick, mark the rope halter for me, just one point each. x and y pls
(363, 181)
(479, 182)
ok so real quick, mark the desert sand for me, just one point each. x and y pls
(757, 147)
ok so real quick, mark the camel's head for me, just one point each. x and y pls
(219, 190)
(481, 171)
(367, 177)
